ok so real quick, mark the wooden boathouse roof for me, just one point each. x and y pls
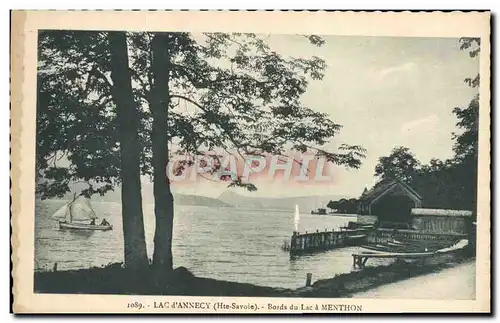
(441, 212)
(385, 186)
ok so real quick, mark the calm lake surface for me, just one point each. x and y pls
(235, 244)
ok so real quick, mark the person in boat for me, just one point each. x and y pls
(104, 222)
(92, 222)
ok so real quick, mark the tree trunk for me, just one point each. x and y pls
(127, 111)
(164, 202)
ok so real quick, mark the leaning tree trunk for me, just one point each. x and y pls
(127, 111)
(164, 202)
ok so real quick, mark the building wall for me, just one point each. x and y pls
(363, 208)
(393, 205)
(441, 224)
(393, 208)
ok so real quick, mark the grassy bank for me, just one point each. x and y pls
(345, 285)
(114, 279)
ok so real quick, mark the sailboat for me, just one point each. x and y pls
(76, 214)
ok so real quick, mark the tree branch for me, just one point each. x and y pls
(96, 72)
(206, 83)
(188, 100)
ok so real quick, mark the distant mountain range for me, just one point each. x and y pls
(180, 199)
(226, 199)
(305, 203)
(185, 199)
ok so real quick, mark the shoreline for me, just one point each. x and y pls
(460, 282)
(115, 280)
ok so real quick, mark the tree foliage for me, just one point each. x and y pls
(401, 165)
(466, 141)
(345, 206)
(228, 92)
(76, 120)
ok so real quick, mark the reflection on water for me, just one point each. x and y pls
(233, 244)
(78, 233)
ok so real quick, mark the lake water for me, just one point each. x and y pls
(235, 244)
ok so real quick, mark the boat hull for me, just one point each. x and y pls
(355, 240)
(83, 226)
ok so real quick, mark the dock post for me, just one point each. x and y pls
(308, 279)
(293, 241)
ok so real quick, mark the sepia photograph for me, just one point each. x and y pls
(257, 165)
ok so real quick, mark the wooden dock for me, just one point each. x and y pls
(359, 259)
(333, 239)
(324, 240)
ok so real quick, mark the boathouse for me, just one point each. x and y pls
(388, 203)
(441, 220)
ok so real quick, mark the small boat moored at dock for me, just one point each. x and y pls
(355, 239)
(408, 251)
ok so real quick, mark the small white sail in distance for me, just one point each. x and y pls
(296, 219)
(79, 209)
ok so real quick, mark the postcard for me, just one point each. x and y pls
(250, 162)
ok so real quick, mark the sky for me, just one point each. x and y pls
(385, 92)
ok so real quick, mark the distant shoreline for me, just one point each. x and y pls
(227, 199)
(179, 203)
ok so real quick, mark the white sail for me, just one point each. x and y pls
(79, 209)
(296, 218)
(61, 213)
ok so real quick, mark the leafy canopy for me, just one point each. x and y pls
(227, 92)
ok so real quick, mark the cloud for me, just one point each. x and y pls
(380, 74)
(424, 125)
(406, 67)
